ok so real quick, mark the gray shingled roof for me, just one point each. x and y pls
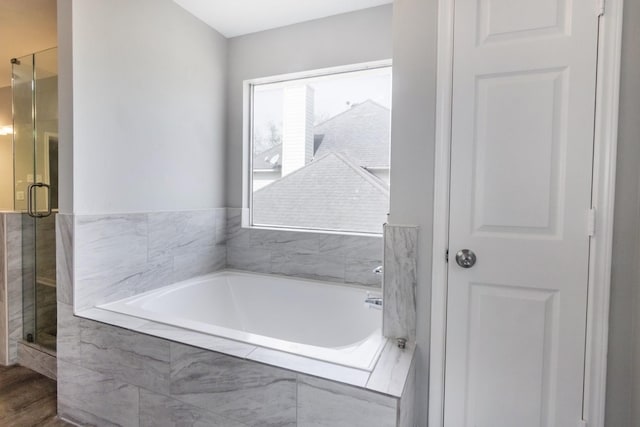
(361, 133)
(268, 159)
(329, 193)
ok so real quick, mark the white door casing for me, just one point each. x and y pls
(524, 85)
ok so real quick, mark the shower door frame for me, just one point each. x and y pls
(31, 214)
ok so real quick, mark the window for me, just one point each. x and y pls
(320, 152)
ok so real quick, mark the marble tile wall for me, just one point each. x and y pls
(46, 314)
(28, 275)
(323, 256)
(324, 403)
(108, 375)
(37, 359)
(41, 321)
(246, 392)
(64, 258)
(46, 249)
(400, 281)
(121, 255)
(4, 333)
(407, 415)
(14, 321)
(112, 376)
(390, 373)
(13, 222)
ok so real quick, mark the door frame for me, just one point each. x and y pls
(603, 193)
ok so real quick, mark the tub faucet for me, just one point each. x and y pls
(378, 270)
(373, 302)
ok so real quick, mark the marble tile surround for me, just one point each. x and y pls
(387, 377)
(160, 410)
(338, 258)
(4, 319)
(117, 256)
(12, 319)
(408, 402)
(400, 281)
(324, 403)
(4, 333)
(135, 374)
(46, 248)
(36, 359)
(13, 286)
(29, 275)
(45, 314)
(64, 258)
(109, 375)
(390, 375)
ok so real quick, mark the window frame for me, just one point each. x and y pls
(247, 138)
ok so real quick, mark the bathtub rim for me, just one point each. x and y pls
(373, 344)
(330, 283)
(388, 377)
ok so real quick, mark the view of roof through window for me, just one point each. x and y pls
(321, 152)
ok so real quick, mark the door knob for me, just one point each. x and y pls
(466, 258)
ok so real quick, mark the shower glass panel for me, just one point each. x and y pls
(35, 103)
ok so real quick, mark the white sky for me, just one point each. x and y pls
(332, 95)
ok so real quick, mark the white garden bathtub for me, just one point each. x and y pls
(314, 319)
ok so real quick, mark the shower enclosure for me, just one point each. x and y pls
(35, 124)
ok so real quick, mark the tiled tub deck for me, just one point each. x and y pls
(115, 369)
(146, 373)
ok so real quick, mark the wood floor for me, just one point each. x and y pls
(27, 399)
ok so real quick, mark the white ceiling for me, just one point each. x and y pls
(26, 26)
(237, 17)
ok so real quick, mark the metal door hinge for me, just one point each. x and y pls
(582, 423)
(591, 222)
(446, 255)
(600, 7)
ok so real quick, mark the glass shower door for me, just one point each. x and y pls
(35, 91)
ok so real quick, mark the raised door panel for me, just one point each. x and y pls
(513, 337)
(505, 20)
(519, 145)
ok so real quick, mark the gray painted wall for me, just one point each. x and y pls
(412, 155)
(623, 382)
(65, 107)
(147, 135)
(413, 142)
(346, 39)
(148, 108)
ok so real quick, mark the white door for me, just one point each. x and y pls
(522, 140)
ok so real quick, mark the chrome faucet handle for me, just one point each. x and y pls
(373, 301)
(378, 270)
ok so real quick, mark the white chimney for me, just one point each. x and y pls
(297, 128)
